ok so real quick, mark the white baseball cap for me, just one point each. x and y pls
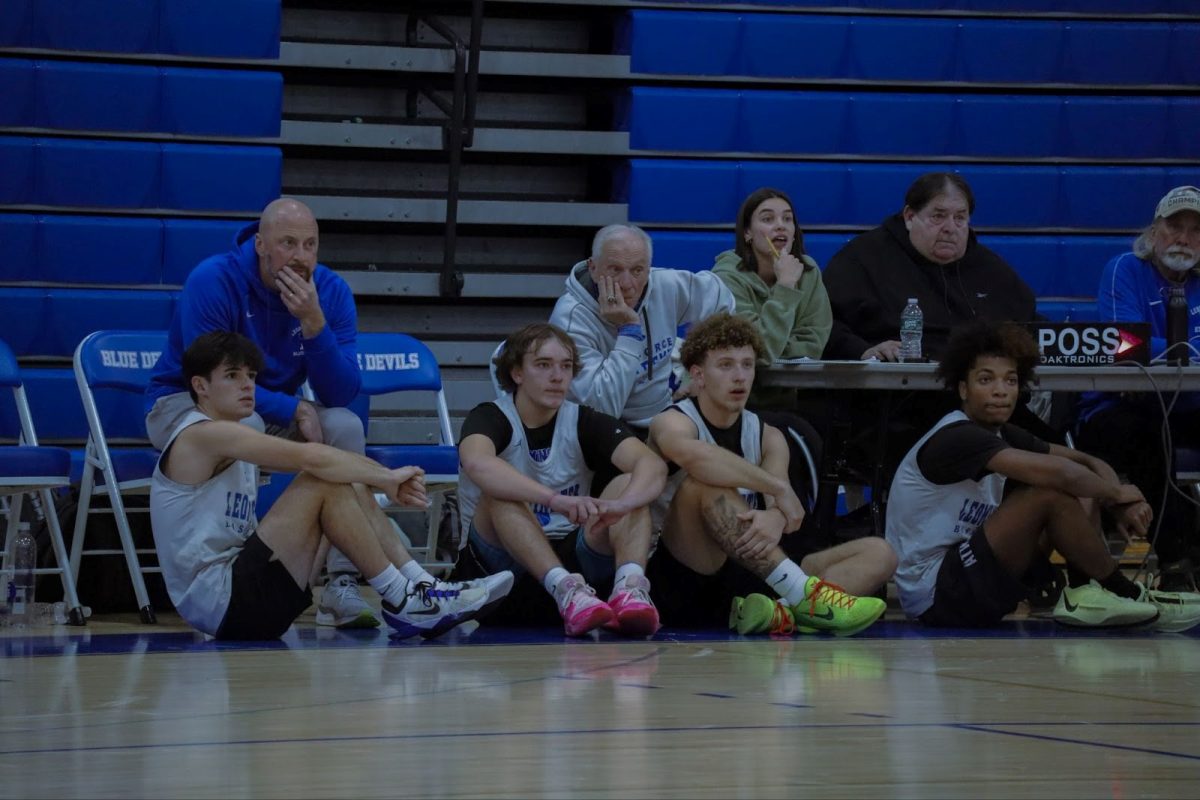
(1181, 198)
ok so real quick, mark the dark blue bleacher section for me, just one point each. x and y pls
(96, 232)
(925, 49)
(978, 6)
(217, 28)
(910, 123)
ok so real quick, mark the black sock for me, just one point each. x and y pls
(1121, 586)
(1075, 578)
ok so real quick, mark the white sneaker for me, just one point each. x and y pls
(497, 587)
(1093, 606)
(342, 606)
(1177, 611)
(431, 609)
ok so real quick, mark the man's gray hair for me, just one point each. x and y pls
(1143, 245)
(610, 232)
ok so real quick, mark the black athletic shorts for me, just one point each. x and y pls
(973, 590)
(264, 599)
(687, 599)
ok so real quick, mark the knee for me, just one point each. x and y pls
(343, 430)
(882, 556)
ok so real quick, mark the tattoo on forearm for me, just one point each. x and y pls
(724, 528)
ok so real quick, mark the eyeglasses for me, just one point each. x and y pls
(939, 218)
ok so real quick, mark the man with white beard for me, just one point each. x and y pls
(1126, 430)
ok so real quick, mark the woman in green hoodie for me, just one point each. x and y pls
(778, 289)
(777, 286)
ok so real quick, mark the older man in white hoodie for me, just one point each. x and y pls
(624, 316)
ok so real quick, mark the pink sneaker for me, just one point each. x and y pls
(580, 609)
(636, 614)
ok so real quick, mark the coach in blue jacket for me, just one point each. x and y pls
(301, 314)
(1125, 430)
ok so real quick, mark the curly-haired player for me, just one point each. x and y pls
(965, 544)
(728, 502)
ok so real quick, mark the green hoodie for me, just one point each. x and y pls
(794, 323)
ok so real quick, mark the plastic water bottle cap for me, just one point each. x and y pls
(912, 299)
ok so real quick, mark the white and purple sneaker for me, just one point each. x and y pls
(431, 609)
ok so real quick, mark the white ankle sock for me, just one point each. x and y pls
(625, 572)
(788, 582)
(391, 585)
(551, 579)
(415, 572)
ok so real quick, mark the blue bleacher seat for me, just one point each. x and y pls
(187, 242)
(708, 42)
(774, 45)
(129, 26)
(680, 191)
(16, 92)
(18, 254)
(223, 28)
(221, 102)
(1014, 196)
(1123, 52)
(690, 250)
(99, 97)
(108, 250)
(1105, 127)
(1111, 197)
(1007, 125)
(823, 246)
(81, 172)
(904, 49)
(16, 169)
(818, 191)
(1072, 310)
(1182, 122)
(903, 124)
(793, 122)
(16, 23)
(54, 399)
(23, 318)
(695, 119)
(1036, 259)
(1003, 51)
(74, 313)
(1182, 44)
(876, 191)
(220, 177)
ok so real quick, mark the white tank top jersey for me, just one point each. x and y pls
(924, 520)
(561, 468)
(198, 532)
(751, 451)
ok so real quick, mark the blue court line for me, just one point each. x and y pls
(1088, 743)
(718, 695)
(426, 736)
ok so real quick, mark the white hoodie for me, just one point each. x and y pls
(629, 375)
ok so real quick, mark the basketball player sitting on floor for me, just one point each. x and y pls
(965, 543)
(728, 502)
(234, 577)
(527, 463)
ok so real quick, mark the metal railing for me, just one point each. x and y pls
(458, 132)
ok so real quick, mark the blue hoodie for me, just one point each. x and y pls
(225, 293)
(1132, 290)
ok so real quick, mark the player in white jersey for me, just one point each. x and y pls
(729, 502)
(527, 463)
(966, 540)
(235, 577)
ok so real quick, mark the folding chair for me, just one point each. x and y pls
(122, 361)
(396, 362)
(29, 469)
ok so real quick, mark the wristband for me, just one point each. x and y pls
(633, 330)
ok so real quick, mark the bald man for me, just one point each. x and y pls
(301, 314)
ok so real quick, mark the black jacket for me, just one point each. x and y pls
(870, 280)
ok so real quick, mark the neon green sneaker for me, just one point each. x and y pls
(827, 607)
(757, 613)
(1177, 611)
(1093, 606)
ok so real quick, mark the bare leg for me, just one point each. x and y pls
(310, 507)
(860, 566)
(512, 525)
(627, 540)
(1014, 532)
(702, 528)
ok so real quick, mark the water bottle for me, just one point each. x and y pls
(20, 587)
(1177, 327)
(912, 323)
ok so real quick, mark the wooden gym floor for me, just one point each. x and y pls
(1030, 710)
